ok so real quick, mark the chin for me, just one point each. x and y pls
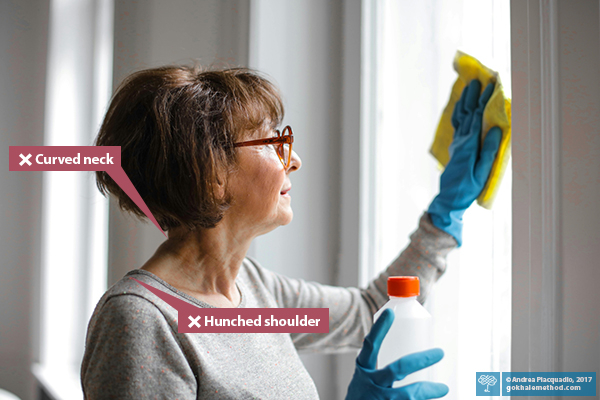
(289, 216)
(288, 220)
(280, 221)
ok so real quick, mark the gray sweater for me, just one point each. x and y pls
(133, 349)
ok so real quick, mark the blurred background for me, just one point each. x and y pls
(364, 83)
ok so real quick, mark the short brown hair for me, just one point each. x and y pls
(176, 127)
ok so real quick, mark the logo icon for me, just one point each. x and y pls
(487, 384)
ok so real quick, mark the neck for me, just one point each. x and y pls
(203, 263)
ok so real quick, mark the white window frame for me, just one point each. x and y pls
(75, 214)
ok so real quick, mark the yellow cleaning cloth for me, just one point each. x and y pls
(496, 113)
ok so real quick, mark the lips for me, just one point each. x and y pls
(285, 191)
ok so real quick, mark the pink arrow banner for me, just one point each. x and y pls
(192, 319)
(78, 158)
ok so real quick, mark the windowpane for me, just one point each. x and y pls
(416, 43)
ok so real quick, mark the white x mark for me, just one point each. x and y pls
(194, 321)
(25, 159)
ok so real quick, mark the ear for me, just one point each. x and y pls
(220, 187)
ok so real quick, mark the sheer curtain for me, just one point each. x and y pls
(414, 46)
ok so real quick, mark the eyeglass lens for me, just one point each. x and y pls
(284, 149)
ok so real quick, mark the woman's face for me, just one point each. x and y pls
(260, 187)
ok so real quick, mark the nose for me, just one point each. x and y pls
(295, 162)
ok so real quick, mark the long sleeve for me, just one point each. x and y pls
(350, 309)
(424, 257)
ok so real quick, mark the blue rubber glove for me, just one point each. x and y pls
(469, 167)
(376, 384)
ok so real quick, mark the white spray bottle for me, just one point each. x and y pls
(412, 327)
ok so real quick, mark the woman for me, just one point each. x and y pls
(203, 151)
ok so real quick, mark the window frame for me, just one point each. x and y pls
(74, 214)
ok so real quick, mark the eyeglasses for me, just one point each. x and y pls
(282, 143)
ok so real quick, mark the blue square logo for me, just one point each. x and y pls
(487, 384)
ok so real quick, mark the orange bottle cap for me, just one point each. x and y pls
(403, 286)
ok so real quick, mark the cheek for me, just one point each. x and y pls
(271, 174)
(272, 185)
(257, 186)
(267, 183)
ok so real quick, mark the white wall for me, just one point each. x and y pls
(299, 44)
(556, 185)
(23, 43)
(580, 192)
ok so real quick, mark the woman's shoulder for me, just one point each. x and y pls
(129, 337)
(129, 285)
(127, 299)
(129, 288)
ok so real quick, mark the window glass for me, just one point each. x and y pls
(415, 47)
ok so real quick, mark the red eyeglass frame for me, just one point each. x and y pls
(281, 139)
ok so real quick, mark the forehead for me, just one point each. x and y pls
(266, 129)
